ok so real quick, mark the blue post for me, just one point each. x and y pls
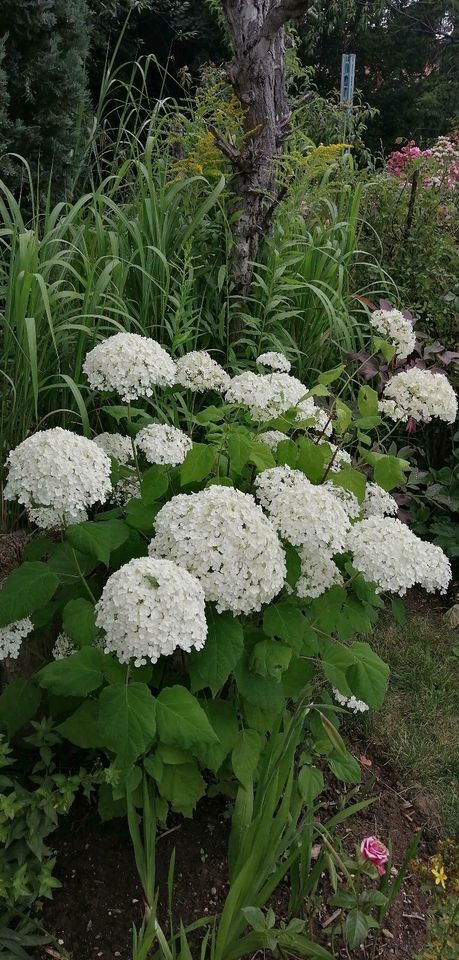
(347, 85)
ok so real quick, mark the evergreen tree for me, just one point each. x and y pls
(45, 43)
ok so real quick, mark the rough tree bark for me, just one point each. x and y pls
(257, 74)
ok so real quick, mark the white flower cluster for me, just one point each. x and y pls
(63, 647)
(339, 457)
(199, 372)
(271, 438)
(308, 516)
(115, 446)
(12, 636)
(150, 607)
(318, 573)
(223, 538)
(127, 488)
(419, 394)
(130, 365)
(276, 361)
(396, 328)
(266, 395)
(162, 443)
(378, 502)
(308, 410)
(357, 706)
(57, 475)
(389, 554)
(347, 499)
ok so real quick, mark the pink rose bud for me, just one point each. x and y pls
(375, 852)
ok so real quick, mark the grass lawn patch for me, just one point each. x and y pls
(418, 727)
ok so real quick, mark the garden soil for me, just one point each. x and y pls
(91, 915)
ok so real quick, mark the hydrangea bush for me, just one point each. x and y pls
(197, 585)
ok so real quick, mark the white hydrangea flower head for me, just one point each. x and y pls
(223, 538)
(357, 706)
(419, 394)
(198, 371)
(126, 488)
(346, 498)
(116, 446)
(434, 569)
(130, 365)
(57, 475)
(378, 502)
(397, 329)
(339, 458)
(272, 438)
(162, 443)
(276, 361)
(308, 410)
(266, 395)
(148, 609)
(63, 647)
(318, 573)
(11, 637)
(306, 515)
(389, 554)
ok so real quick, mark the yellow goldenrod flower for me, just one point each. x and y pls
(440, 876)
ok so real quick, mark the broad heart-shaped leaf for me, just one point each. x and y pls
(119, 412)
(310, 784)
(270, 658)
(342, 416)
(198, 463)
(154, 483)
(211, 666)
(26, 589)
(388, 471)
(245, 756)
(181, 720)
(367, 401)
(223, 719)
(285, 621)
(350, 479)
(82, 728)
(127, 717)
(239, 448)
(98, 539)
(141, 516)
(19, 702)
(312, 458)
(287, 452)
(261, 691)
(329, 376)
(75, 676)
(368, 675)
(183, 786)
(261, 456)
(79, 621)
(345, 767)
(68, 564)
(297, 676)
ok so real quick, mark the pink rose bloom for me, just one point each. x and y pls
(375, 852)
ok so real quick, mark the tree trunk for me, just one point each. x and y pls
(257, 74)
